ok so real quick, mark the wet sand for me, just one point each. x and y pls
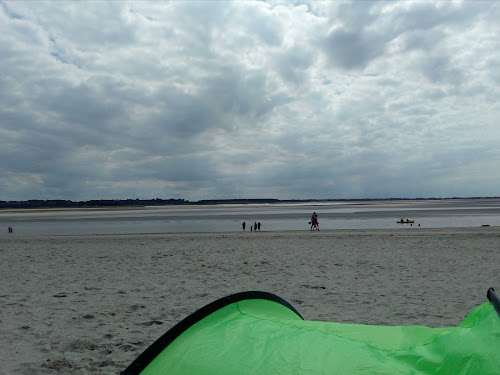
(92, 304)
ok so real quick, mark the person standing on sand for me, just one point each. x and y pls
(244, 225)
(255, 226)
(258, 225)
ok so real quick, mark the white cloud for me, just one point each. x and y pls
(203, 100)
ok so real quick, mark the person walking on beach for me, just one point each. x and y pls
(258, 225)
(244, 225)
(314, 222)
(255, 226)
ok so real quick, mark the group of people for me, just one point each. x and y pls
(11, 230)
(253, 227)
(256, 226)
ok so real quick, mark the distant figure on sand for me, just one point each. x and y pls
(258, 225)
(255, 226)
(10, 230)
(314, 222)
(244, 225)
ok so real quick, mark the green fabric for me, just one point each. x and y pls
(261, 337)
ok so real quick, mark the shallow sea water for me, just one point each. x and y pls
(273, 217)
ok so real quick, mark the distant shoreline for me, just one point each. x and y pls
(151, 203)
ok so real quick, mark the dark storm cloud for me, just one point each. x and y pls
(293, 64)
(351, 44)
(361, 33)
(351, 49)
(79, 105)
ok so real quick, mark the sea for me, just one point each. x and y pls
(384, 214)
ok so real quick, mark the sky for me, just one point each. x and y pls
(249, 99)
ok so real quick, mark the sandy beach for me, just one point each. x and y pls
(92, 304)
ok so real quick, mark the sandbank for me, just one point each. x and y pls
(92, 304)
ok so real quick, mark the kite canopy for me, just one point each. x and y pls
(260, 333)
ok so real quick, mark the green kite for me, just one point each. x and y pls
(257, 333)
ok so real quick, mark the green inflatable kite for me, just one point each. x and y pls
(257, 333)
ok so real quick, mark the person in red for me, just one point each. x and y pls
(314, 222)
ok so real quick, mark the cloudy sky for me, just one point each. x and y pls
(249, 99)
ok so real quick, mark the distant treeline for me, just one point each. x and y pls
(58, 203)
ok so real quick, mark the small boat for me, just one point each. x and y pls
(406, 221)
